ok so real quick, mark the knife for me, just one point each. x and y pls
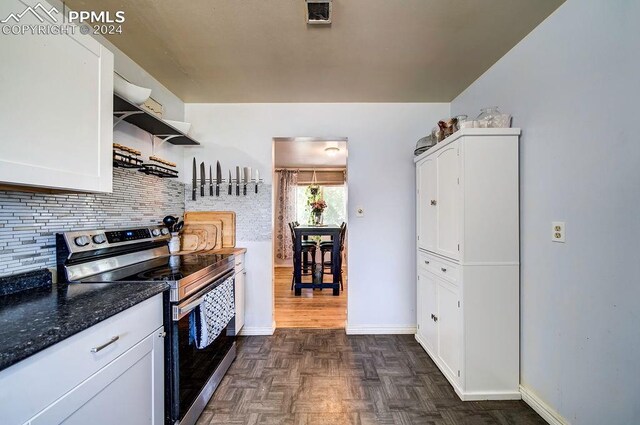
(218, 178)
(237, 181)
(230, 184)
(203, 178)
(193, 186)
(247, 179)
(210, 182)
(257, 180)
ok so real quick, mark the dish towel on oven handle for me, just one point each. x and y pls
(213, 315)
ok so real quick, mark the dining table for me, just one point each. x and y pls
(303, 232)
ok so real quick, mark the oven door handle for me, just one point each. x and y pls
(181, 310)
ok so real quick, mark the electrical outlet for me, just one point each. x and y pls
(359, 212)
(558, 231)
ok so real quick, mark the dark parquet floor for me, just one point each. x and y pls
(314, 376)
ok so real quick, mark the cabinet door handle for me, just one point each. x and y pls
(426, 261)
(105, 345)
(443, 269)
(435, 318)
(434, 202)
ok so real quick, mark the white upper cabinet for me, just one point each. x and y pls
(468, 203)
(439, 202)
(447, 201)
(426, 200)
(56, 114)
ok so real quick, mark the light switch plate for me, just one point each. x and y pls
(558, 231)
(359, 212)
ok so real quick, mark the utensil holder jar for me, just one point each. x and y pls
(174, 243)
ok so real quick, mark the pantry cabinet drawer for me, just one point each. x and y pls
(424, 261)
(441, 268)
(36, 382)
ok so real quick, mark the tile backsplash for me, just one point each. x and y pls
(253, 211)
(29, 221)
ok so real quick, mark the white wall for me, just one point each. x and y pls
(573, 85)
(381, 179)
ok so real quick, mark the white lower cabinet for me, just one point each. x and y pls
(117, 394)
(240, 278)
(468, 323)
(110, 373)
(449, 329)
(428, 310)
(439, 319)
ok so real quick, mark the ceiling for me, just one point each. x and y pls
(300, 153)
(374, 51)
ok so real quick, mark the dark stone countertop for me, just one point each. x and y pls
(33, 320)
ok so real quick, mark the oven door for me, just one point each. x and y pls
(190, 370)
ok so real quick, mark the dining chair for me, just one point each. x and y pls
(307, 247)
(327, 246)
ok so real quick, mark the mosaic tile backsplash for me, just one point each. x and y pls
(253, 211)
(29, 221)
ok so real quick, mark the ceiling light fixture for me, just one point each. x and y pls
(332, 151)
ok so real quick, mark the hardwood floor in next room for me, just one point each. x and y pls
(312, 376)
(313, 309)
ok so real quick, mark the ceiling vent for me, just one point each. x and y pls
(318, 12)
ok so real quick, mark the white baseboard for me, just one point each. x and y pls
(488, 395)
(542, 408)
(258, 330)
(379, 330)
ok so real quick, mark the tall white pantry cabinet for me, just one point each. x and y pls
(468, 261)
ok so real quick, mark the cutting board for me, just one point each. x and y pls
(228, 219)
(213, 231)
(200, 234)
(190, 242)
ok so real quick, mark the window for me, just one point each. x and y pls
(334, 196)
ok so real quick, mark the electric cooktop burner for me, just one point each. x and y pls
(170, 269)
(160, 274)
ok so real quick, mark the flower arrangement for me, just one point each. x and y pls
(318, 206)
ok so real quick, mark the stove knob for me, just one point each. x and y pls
(99, 239)
(82, 240)
(165, 231)
(155, 232)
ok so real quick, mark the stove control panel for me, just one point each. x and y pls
(89, 240)
(128, 235)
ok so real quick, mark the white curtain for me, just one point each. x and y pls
(286, 212)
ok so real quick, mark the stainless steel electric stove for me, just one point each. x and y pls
(142, 255)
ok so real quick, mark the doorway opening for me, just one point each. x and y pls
(310, 232)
